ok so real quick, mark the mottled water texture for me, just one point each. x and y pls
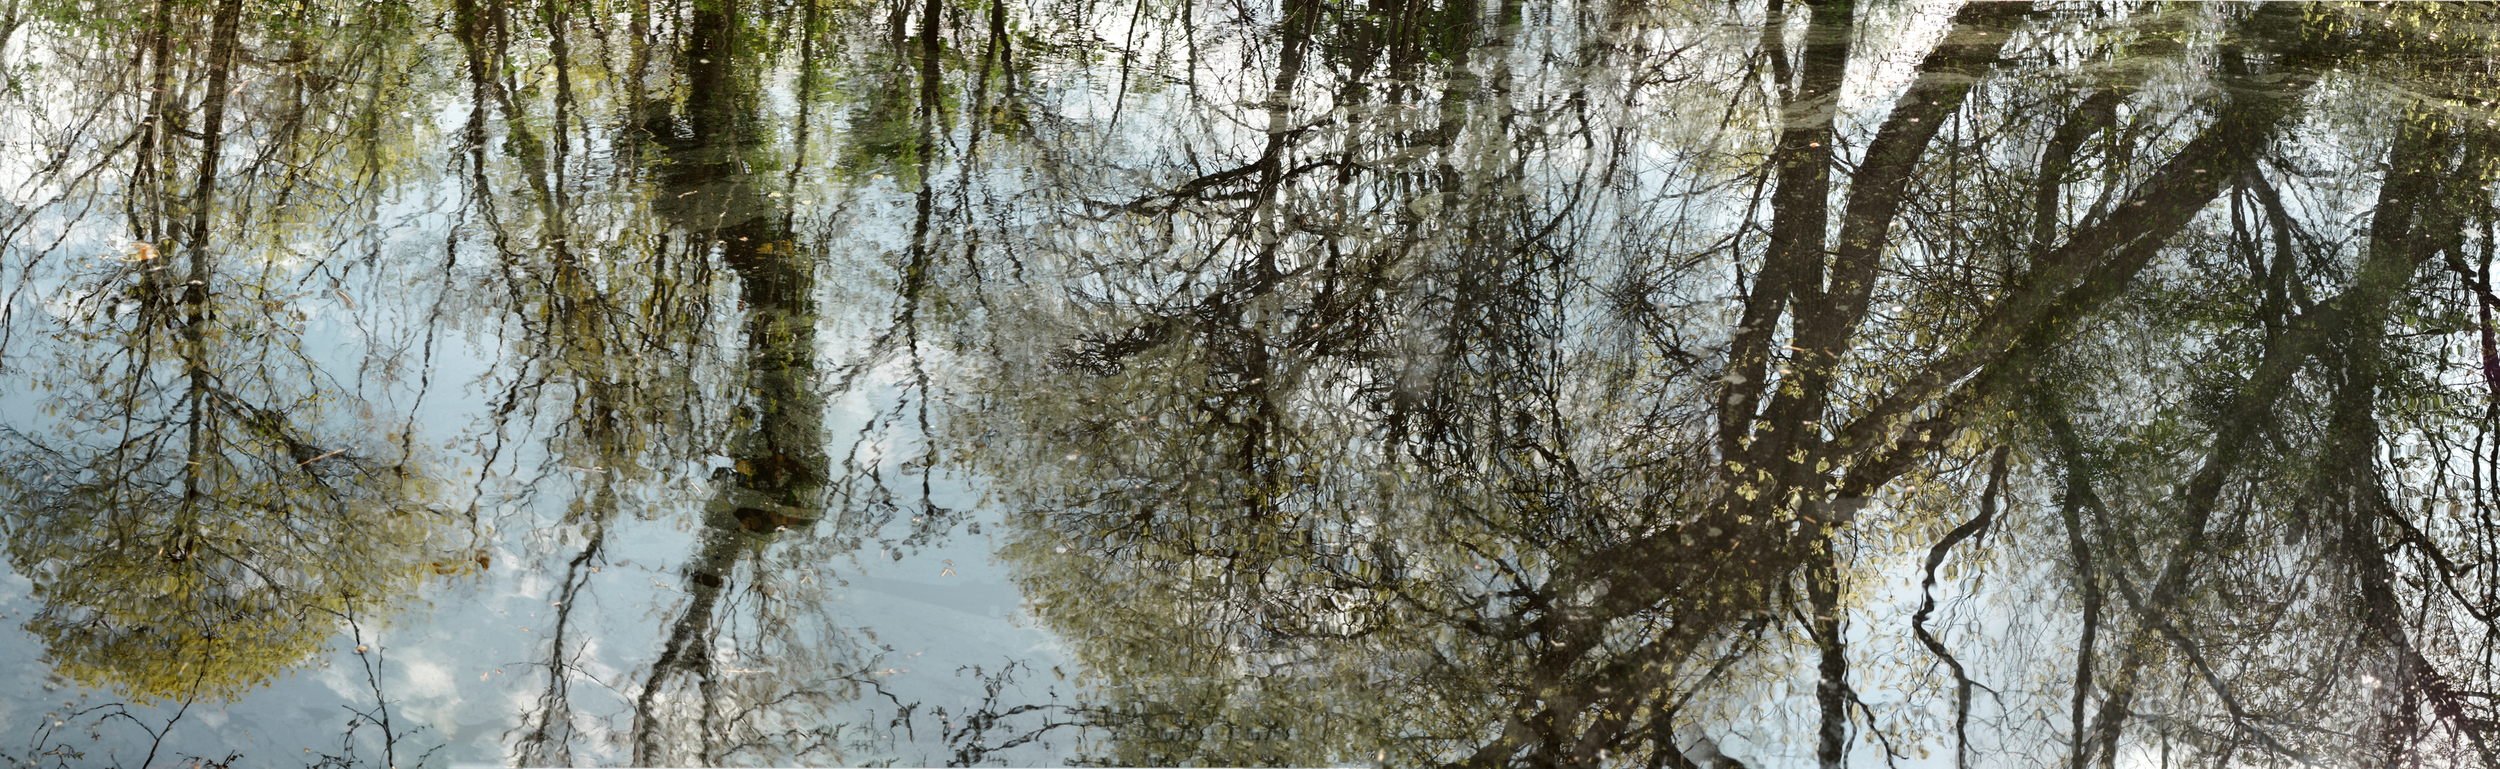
(1490, 383)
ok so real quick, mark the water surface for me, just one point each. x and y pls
(1404, 383)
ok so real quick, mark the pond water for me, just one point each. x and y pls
(1645, 383)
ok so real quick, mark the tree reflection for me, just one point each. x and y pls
(195, 513)
(670, 307)
(1362, 448)
(720, 193)
(1411, 382)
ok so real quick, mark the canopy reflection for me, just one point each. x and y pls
(1402, 383)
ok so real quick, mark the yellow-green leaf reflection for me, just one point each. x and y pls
(200, 521)
(205, 505)
(143, 599)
